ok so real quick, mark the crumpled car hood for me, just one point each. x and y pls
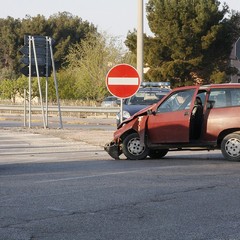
(140, 113)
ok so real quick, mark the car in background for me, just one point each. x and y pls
(110, 101)
(148, 94)
(188, 118)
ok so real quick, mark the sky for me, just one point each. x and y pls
(116, 17)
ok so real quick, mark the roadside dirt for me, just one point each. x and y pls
(94, 137)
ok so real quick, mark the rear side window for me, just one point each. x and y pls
(235, 97)
(225, 97)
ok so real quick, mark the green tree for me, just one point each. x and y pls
(66, 86)
(89, 62)
(8, 89)
(90, 57)
(9, 43)
(192, 40)
(67, 29)
(64, 28)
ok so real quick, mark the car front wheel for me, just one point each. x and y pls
(230, 147)
(132, 148)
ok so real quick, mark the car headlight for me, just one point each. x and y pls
(118, 116)
(126, 114)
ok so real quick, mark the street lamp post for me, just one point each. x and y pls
(140, 40)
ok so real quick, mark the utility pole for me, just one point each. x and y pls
(140, 40)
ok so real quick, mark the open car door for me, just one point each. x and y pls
(170, 121)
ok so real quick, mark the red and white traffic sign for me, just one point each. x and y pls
(123, 81)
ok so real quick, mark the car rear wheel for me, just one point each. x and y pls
(132, 148)
(230, 147)
(159, 153)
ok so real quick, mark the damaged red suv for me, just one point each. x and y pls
(188, 118)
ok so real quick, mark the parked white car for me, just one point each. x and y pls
(110, 101)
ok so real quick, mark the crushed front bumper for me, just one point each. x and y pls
(113, 150)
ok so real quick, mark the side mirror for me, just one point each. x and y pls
(151, 112)
(210, 104)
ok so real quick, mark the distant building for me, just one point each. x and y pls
(235, 63)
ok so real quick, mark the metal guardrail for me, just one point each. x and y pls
(86, 110)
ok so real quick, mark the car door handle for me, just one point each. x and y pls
(186, 113)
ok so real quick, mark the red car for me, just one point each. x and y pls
(188, 118)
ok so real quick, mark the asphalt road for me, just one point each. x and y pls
(53, 188)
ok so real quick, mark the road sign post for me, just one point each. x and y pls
(123, 81)
(38, 60)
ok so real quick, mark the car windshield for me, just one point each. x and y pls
(143, 97)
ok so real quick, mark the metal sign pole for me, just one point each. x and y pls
(140, 40)
(24, 112)
(30, 80)
(55, 81)
(46, 94)
(39, 84)
(121, 111)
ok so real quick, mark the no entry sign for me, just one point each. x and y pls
(123, 81)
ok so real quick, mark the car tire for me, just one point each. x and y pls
(230, 147)
(132, 149)
(159, 153)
